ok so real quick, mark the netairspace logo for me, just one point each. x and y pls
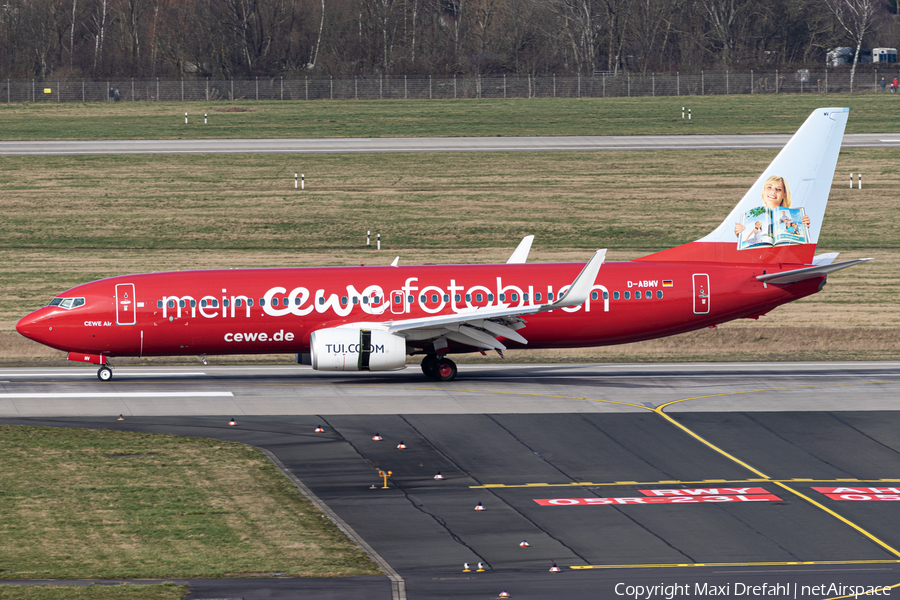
(738, 589)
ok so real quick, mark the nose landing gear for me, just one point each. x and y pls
(440, 369)
(104, 373)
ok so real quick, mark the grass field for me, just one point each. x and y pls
(84, 504)
(768, 113)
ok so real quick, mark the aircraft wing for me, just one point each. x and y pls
(809, 272)
(478, 327)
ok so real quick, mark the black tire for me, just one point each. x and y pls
(104, 374)
(446, 370)
(429, 366)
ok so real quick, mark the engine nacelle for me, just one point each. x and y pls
(348, 349)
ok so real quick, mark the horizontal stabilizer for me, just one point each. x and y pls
(809, 272)
(825, 259)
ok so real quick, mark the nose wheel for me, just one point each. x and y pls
(104, 373)
(441, 369)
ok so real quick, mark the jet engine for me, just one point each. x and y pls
(350, 349)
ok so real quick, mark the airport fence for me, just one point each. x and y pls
(602, 85)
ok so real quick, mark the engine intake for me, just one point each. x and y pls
(347, 349)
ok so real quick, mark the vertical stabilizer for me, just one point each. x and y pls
(780, 217)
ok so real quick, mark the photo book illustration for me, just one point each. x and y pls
(778, 226)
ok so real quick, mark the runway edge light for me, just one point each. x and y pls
(438, 477)
(232, 422)
(480, 567)
(480, 506)
(319, 429)
(377, 437)
(554, 568)
(466, 568)
(524, 544)
(121, 418)
(401, 446)
(504, 594)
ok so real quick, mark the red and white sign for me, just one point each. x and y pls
(865, 497)
(858, 490)
(861, 494)
(657, 500)
(705, 492)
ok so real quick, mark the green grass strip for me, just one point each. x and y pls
(85, 504)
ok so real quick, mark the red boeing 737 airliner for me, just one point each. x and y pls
(372, 318)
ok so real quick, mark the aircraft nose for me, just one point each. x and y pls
(29, 325)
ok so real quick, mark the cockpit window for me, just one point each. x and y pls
(67, 303)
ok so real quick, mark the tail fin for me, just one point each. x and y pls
(771, 225)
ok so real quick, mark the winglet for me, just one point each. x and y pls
(581, 288)
(396, 262)
(520, 254)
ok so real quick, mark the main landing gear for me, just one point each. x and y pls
(105, 373)
(441, 369)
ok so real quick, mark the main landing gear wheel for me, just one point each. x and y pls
(446, 370)
(429, 366)
(441, 369)
(104, 374)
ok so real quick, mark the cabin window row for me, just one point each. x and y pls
(398, 299)
(239, 302)
(638, 295)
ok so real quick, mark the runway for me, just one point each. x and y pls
(496, 389)
(791, 471)
(426, 144)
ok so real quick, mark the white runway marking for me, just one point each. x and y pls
(122, 395)
(93, 374)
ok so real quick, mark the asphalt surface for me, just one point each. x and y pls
(428, 144)
(586, 432)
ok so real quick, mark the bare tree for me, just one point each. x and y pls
(581, 30)
(618, 13)
(315, 56)
(99, 22)
(856, 17)
(723, 17)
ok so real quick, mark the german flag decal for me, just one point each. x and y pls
(668, 283)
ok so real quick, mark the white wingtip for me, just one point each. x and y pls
(396, 262)
(520, 254)
(581, 287)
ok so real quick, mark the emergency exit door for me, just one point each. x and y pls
(701, 294)
(126, 312)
